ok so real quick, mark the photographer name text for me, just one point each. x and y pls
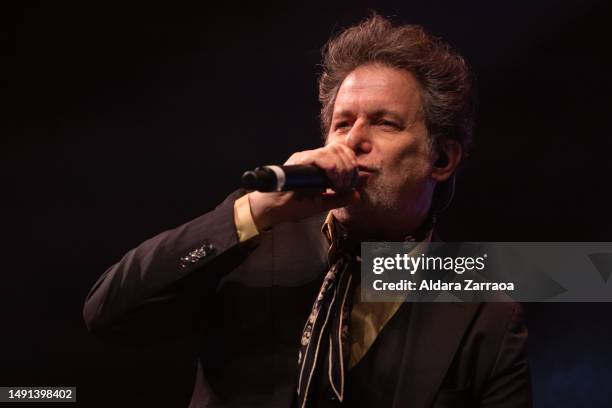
(430, 284)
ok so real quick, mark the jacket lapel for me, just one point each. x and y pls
(434, 333)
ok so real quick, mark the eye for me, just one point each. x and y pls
(342, 125)
(390, 124)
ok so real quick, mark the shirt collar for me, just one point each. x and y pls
(334, 232)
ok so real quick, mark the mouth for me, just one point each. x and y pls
(365, 169)
(363, 173)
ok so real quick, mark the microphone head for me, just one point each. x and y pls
(260, 179)
(249, 180)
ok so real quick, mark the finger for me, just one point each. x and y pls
(307, 193)
(337, 153)
(332, 166)
(351, 160)
(350, 153)
(296, 158)
(336, 200)
(350, 165)
(347, 167)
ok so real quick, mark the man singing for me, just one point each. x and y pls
(270, 280)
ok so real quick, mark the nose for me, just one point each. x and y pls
(358, 138)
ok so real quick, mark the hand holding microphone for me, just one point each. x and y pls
(303, 192)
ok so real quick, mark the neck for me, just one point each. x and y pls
(390, 230)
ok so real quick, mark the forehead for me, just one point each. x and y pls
(371, 88)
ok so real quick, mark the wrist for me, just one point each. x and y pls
(261, 210)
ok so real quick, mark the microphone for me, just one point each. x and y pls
(285, 178)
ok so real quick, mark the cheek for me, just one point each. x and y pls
(407, 156)
(333, 137)
(410, 166)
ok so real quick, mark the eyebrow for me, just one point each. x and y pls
(385, 112)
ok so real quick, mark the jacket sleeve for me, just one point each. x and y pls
(161, 288)
(509, 384)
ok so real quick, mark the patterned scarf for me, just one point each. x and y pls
(326, 331)
(327, 328)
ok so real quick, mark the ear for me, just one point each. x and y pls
(442, 169)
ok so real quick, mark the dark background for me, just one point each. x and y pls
(123, 120)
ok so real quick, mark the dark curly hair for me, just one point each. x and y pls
(442, 74)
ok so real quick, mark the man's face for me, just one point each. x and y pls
(377, 113)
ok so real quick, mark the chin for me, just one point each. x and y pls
(362, 213)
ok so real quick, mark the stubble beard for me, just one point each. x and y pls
(383, 213)
(376, 208)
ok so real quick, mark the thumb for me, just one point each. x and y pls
(334, 200)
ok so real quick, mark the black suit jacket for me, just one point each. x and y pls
(249, 304)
